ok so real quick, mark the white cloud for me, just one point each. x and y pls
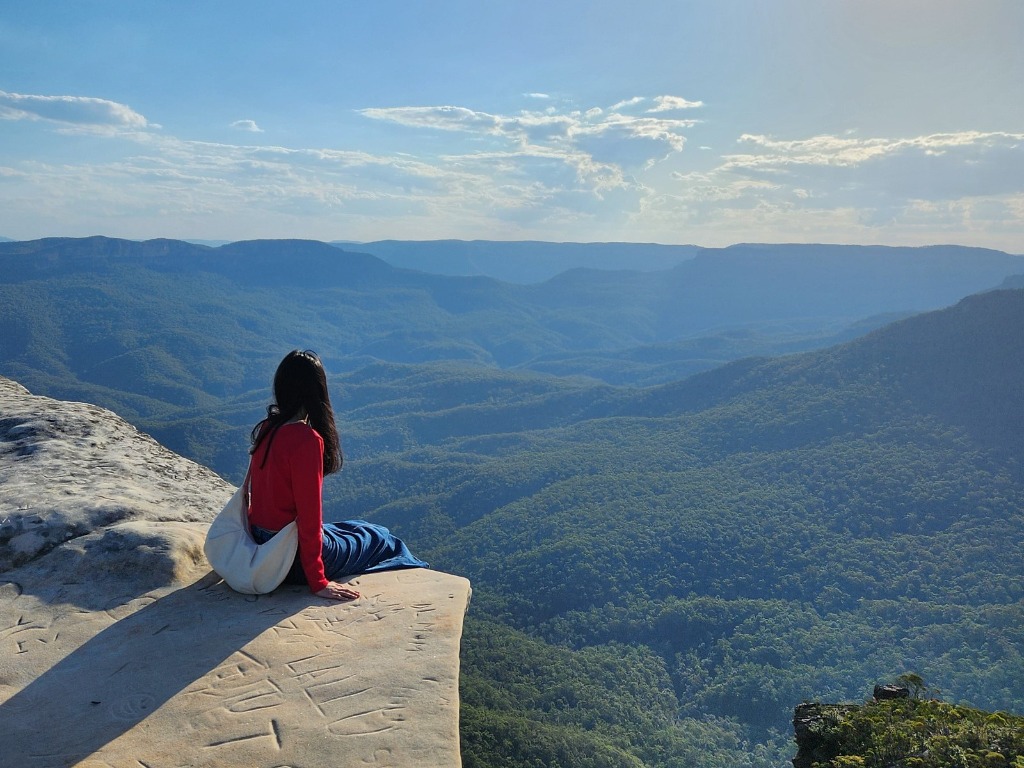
(932, 167)
(444, 118)
(72, 111)
(247, 125)
(670, 103)
(601, 147)
(848, 152)
(951, 187)
(553, 170)
(500, 173)
(631, 143)
(627, 103)
(537, 95)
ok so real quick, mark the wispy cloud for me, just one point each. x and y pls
(592, 141)
(969, 184)
(556, 165)
(627, 103)
(247, 125)
(661, 104)
(672, 103)
(72, 111)
(932, 167)
(615, 172)
(445, 118)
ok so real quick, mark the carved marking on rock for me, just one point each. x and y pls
(118, 612)
(237, 739)
(132, 708)
(25, 632)
(329, 692)
(368, 722)
(262, 695)
(275, 726)
(380, 757)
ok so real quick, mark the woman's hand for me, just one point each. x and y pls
(335, 591)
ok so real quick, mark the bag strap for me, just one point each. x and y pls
(247, 488)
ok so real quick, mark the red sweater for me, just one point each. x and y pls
(288, 487)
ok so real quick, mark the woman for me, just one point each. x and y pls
(292, 450)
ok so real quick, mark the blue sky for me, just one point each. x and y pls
(896, 121)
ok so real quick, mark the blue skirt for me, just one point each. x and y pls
(352, 547)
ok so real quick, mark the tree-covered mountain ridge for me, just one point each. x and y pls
(772, 531)
(962, 365)
(156, 326)
(521, 261)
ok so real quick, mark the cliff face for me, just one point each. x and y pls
(907, 733)
(120, 645)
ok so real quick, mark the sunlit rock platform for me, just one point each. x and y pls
(119, 647)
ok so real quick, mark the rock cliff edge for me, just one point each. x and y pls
(119, 647)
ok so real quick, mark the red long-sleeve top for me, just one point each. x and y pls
(288, 487)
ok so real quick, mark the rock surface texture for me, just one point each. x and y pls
(119, 647)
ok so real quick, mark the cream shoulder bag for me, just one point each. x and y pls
(246, 566)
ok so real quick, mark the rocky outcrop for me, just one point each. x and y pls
(119, 647)
(897, 728)
(67, 469)
(884, 692)
(813, 726)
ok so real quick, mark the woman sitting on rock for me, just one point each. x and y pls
(292, 450)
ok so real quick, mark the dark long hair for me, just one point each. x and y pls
(300, 383)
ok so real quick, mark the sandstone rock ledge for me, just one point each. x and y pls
(119, 647)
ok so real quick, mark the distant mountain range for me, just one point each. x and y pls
(623, 327)
(534, 262)
(523, 261)
(527, 261)
(151, 328)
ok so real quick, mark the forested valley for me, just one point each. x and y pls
(687, 499)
